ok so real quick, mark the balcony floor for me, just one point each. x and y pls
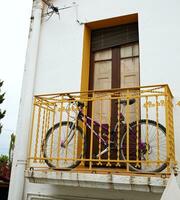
(148, 184)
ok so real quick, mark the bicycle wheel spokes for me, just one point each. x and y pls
(61, 147)
(151, 153)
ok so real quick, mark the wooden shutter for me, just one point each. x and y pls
(114, 36)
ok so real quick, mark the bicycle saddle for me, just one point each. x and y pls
(124, 102)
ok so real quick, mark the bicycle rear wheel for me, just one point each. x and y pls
(147, 146)
(63, 146)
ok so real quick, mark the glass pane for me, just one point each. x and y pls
(103, 55)
(102, 75)
(130, 72)
(130, 65)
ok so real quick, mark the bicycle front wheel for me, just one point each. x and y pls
(146, 143)
(63, 145)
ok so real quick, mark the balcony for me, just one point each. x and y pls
(119, 133)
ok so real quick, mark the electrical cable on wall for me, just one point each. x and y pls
(51, 9)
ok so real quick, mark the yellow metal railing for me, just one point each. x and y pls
(118, 130)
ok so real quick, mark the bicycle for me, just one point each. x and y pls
(67, 133)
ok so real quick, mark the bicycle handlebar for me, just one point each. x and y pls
(125, 102)
(79, 104)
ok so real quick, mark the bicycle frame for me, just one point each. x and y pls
(88, 120)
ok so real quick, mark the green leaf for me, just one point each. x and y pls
(2, 98)
(1, 83)
(2, 114)
(0, 128)
(3, 159)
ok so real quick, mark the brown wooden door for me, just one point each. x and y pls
(116, 67)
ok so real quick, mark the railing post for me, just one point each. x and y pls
(31, 134)
(166, 93)
(171, 128)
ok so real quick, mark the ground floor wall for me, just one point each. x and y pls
(34, 191)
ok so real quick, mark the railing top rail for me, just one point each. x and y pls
(169, 90)
(150, 88)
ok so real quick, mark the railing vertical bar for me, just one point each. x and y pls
(67, 132)
(147, 131)
(48, 119)
(118, 129)
(42, 133)
(100, 133)
(91, 137)
(127, 138)
(37, 132)
(109, 133)
(75, 144)
(59, 135)
(157, 131)
(84, 134)
(47, 112)
(31, 131)
(52, 134)
(137, 131)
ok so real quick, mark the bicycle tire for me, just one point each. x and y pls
(54, 158)
(148, 149)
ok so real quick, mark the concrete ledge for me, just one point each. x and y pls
(101, 181)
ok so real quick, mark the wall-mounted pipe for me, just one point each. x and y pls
(47, 2)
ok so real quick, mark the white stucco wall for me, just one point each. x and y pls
(58, 67)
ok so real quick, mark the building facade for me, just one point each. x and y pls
(95, 58)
